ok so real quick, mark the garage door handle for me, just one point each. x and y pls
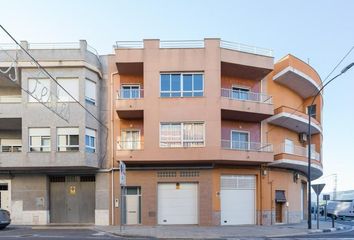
(131, 211)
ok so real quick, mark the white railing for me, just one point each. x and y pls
(246, 146)
(246, 96)
(7, 149)
(62, 45)
(182, 44)
(130, 93)
(92, 49)
(9, 46)
(11, 99)
(130, 145)
(129, 44)
(296, 150)
(246, 48)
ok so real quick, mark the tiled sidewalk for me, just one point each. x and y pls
(223, 232)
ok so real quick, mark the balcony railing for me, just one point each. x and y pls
(10, 99)
(130, 145)
(296, 150)
(246, 48)
(7, 149)
(182, 44)
(130, 93)
(129, 44)
(246, 96)
(246, 146)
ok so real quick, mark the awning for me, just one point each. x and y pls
(280, 196)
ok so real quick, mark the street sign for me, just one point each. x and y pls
(318, 188)
(326, 197)
(122, 174)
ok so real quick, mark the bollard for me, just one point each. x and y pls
(332, 221)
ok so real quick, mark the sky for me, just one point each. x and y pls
(318, 32)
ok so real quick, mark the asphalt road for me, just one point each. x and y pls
(15, 232)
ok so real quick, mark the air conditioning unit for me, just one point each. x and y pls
(302, 137)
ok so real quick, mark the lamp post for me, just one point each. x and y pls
(309, 223)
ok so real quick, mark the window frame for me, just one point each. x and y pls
(248, 142)
(67, 139)
(130, 91)
(242, 90)
(70, 99)
(89, 148)
(182, 91)
(182, 141)
(123, 142)
(41, 137)
(88, 99)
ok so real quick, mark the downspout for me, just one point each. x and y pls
(271, 199)
(112, 146)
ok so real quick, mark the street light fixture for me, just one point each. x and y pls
(309, 222)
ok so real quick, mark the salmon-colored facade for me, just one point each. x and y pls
(209, 130)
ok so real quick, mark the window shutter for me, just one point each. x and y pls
(90, 90)
(70, 85)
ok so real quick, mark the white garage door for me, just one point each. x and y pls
(237, 199)
(177, 203)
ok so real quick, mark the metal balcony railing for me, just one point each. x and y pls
(182, 44)
(246, 146)
(130, 145)
(130, 93)
(246, 96)
(11, 99)
(246, 48)
(129, 44)
(296, 150)
(7, 149)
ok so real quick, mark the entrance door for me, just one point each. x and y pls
(279, 212)
(72, 199)
(4, 196)
(133, 206)
(177, 203)
(237, 199)
(240, 140)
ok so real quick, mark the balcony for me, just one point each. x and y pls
(130, 145)
(298, 76)
(295, 157)
(245, 106)
(246, 151)
(130, 104)
(10, 106)
(294, 120)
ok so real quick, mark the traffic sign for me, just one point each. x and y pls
(318, 188)
(122, 174)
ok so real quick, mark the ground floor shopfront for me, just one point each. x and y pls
(56, 198)
(221, 195)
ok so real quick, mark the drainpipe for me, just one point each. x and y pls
(271, 199)
(112, 146)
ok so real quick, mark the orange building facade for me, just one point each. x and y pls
(211, 132)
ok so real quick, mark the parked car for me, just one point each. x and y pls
(4, 218)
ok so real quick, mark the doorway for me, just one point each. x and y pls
(133, 205)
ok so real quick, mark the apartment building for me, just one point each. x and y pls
(53, 142)
(212, 133)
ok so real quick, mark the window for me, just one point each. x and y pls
(39, 90)
(68, 139)
(39, 139)
(72, 86)
(181, 85)
(240, 140)
(10, 145)
(130, 91)
(90, 92)
(312, 110)
(182, 134)
(289, 146)
(90, 140)
(240, 93)
(130, 139)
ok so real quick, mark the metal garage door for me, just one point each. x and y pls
(72, 199)
(177, 203)
(238, 199)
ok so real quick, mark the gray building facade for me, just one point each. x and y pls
(53, 143)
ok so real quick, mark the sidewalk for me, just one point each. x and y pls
(223, 232)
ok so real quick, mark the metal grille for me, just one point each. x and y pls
(72, 178)
(189, 174)
(166, 174)
(238, 182)
(57, 179)
(87, 179)
(4, 187)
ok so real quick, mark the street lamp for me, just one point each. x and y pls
(309, 223)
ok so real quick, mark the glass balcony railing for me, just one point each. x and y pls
(296, 150)
(130, 93)
(246, 146)
(130, 145)
(246, 96)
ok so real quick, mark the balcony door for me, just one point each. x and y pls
(240, 93)
(240, 140)
(130, 139)
(289, 146)
(130, 91)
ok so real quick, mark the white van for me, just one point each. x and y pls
(340, 209)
